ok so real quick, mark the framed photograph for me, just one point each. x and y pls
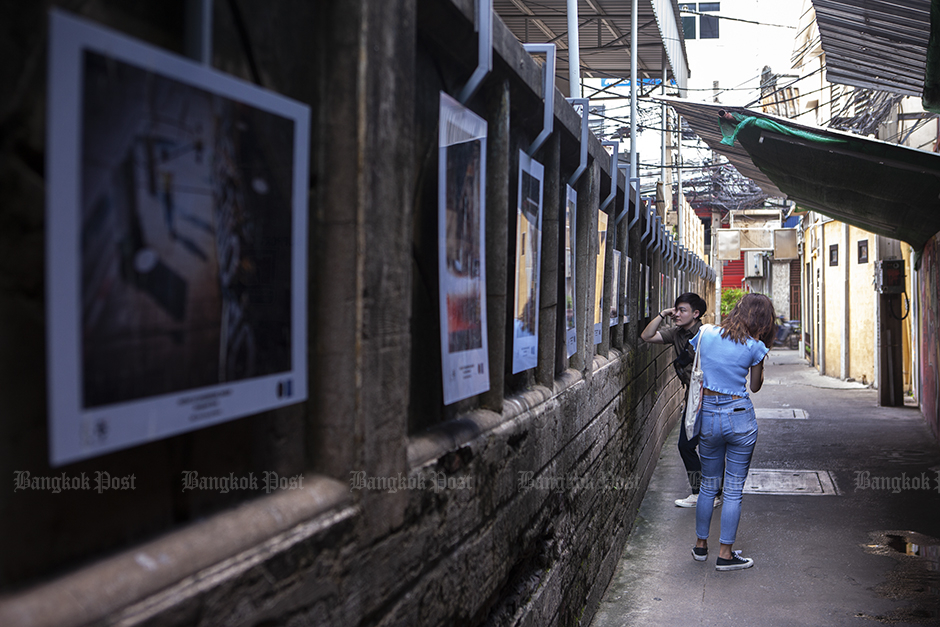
(863, 251)
(661, 293)
(615, 291)
(627, 304)
(571, 211)
(462, 250)
(599, 274)
(177, 244)
(525, 323)
(647, 287)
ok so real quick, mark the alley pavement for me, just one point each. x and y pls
(841, 514)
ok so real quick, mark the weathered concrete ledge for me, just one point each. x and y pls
(446, 437)
(451, 435)
(157, 573)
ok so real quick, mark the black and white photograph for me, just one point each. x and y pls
(178, 250)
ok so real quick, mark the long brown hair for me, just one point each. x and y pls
(754, 317)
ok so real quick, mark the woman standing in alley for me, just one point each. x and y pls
(728, 423)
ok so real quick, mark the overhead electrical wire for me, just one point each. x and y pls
(734, 19)
(787, 86)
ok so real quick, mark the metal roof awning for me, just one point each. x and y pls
(604, 34)
(888, 189)
(875, 44)
(703, 118)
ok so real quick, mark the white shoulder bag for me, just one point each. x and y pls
(693, 406)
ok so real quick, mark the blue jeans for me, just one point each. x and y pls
(729, 432)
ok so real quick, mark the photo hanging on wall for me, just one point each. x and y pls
(615, 290)
(525, 323)
(462, 250)
(571, 212)
(176, 216)
(599, 261)
(661, 294)
(627, 306)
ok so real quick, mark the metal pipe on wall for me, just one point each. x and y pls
(198, 33)
(679, 196)
(484, 27)
(846, 278)
(574, 57)
(633, 79)
(664, 112)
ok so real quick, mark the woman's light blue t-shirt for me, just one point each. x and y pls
(725, 362)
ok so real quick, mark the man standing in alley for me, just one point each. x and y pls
(687, 315)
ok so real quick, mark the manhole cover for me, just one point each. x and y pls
(782, 414)
(809, 482)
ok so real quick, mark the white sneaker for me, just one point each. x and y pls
(736, 562)
(688, 501)
(717, 501)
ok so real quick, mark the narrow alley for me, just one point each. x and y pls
(846, 533)
(373, 313)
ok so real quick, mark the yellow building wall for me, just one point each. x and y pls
(907, 337)
(862, 324)
(811, 295)
(834, 296)
(862, 307)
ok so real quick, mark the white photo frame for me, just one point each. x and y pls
(599, 262)
(571, 315)
(627, 306)
(525, 325)
(615, 290)
(662, 295)
(462, 251)
(167, 315)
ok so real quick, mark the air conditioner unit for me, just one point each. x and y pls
(753, 265)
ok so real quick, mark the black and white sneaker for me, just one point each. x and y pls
(699, 554)
(736, 562)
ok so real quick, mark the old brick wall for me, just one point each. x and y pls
(516, 504)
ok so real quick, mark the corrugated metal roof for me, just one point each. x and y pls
(604, 35)
(889, 189)
(875, 44)
(703, 118)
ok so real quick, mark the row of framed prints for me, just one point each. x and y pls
(177, 246)
(462, 259)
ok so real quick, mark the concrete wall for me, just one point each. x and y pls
(850, 327)
(862, 323)
(780, 287)
(928, 329)
(834, 278)
(509, 507)
(907, 324)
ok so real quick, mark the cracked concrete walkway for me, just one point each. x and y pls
(866, 555)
